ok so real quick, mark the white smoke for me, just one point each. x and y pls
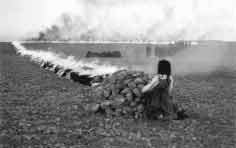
(83, 68)
(148, 20)
(205, 58)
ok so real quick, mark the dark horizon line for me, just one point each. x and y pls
(2, 41)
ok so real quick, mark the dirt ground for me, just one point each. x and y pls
(38, 109)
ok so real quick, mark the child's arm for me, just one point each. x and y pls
(171, 85)
(151, 85)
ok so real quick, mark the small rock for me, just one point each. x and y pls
(146, 78)
(137, 92)
(120, 98)
(107, 93)
(127, 81)
(136, 115)
(126, 91)
(92, 107)
(120, 85)
(114, 91)
(131, 85)
(118, 111)
(139, 81)
(137, 99)
(99, 91)
(51, 130)
(140, 108)
(129, 96)
(106, 103)
(139, 135)
(133, 104)
(113, 79)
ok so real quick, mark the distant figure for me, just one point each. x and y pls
(158, 93)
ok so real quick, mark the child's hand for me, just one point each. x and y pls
(151, 85)
(155, 78)
(155, 81)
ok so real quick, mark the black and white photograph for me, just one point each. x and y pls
(117, 73)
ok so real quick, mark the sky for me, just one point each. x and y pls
(122, 19)
(22, 17)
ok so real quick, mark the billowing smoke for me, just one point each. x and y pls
(92, 68)
(146, 20)
(205, 57)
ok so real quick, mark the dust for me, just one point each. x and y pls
(205, 57)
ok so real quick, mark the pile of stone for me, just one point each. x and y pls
(118, 94)
(121, 94)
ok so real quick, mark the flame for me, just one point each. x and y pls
(80, 66)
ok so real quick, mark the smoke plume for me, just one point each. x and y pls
(149, 20)
(92, 68)
(205, 57)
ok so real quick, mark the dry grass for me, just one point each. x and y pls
(38, 109)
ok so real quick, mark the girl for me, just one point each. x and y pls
(158, 93)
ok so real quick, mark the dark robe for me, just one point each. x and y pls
(159, 101)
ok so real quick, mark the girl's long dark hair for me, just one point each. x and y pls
(164, 67)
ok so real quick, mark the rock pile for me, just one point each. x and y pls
(120, 94)
(117, 94)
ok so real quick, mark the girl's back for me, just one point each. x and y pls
(159, 93)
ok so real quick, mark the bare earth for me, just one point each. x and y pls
(38, 109)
